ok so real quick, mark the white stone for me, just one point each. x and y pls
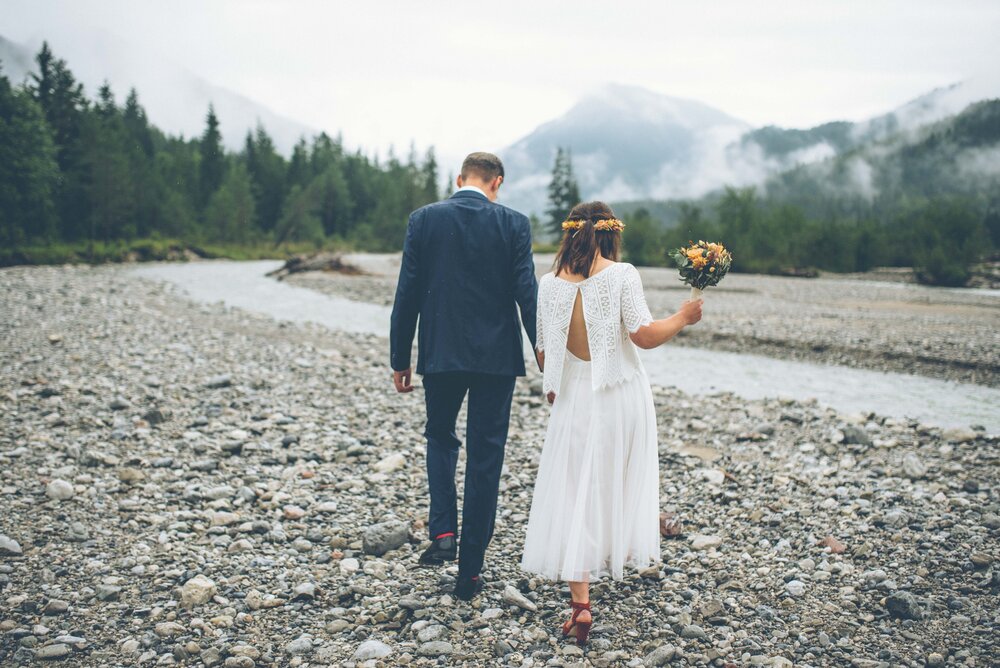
(514, 597)
(349, 565)
(713, 476)
(393, 462)
(704, 542)
(795, 587)
(371, 649)
(197, 591)
(60, 490)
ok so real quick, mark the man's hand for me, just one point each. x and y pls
(401, 379)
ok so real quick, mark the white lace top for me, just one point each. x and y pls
(613, 306)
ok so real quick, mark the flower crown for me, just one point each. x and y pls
(603, 225)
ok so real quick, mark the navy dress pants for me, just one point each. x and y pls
(486, 435)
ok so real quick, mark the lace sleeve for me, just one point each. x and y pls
(539, 317)
(635, 313)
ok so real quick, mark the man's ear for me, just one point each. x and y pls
(497, 182)
(459, 181)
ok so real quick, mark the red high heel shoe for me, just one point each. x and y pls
(582, 628)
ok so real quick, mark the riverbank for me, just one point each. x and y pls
(145, 250)
(952, 334)
(192, 484)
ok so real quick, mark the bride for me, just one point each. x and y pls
(595, 508)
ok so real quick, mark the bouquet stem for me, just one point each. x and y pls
(695, 293)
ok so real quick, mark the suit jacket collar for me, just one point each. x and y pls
(469, 194)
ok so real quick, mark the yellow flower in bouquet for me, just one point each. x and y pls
(702, 264)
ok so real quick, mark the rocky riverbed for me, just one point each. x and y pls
(187, 484)
(847, 320)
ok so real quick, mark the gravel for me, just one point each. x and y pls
(174, 547)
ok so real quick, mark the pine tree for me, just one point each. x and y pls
(64, 105)
(331, 200)
(564, 193)
(429, 178)
(28, 169)
(230, 214)
(212, 168)
(299, 169)
(267, 173)
(298, 220)
(110, 180)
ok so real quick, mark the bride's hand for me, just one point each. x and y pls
(691, 311)
(551, 396)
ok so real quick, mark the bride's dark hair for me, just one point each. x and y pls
(579, 247)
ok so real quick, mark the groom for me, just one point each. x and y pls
(466, 268)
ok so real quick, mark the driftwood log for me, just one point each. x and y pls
(322, 261)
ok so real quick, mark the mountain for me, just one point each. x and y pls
(627, 143)
(956, 156)
(176, 100)
(631, 145)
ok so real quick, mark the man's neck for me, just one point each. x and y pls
(473, 188)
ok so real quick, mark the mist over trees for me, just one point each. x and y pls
(928, 200)
(80, 171)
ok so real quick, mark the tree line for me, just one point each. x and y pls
(941, 234)
(82, 171)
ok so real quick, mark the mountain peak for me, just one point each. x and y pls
(627, 142)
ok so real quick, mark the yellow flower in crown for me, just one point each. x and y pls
(609, 225)
(572, 224)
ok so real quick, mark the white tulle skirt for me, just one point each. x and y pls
(595, 508)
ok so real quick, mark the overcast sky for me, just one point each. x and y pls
(481, 75)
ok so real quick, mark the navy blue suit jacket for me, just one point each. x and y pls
(467, 267)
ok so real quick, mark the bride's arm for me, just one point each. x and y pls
(659, 332)
(540, 358)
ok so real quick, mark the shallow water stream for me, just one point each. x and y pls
(697, 371)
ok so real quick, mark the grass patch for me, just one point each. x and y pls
(149, 250)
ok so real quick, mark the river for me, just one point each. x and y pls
(944, 403)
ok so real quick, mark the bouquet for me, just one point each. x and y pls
(702, 264)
